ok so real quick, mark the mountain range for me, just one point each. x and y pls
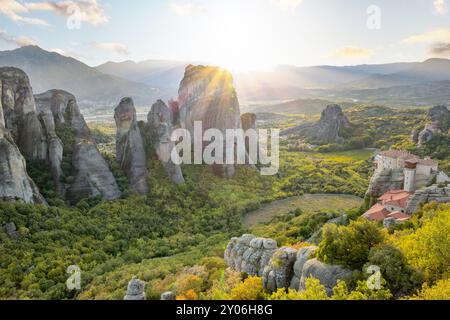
(395, 84)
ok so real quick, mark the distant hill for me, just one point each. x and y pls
(50, 70)
(162, 74)
(299, 106)
(428, 71)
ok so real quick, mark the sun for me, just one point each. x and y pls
(240, 42)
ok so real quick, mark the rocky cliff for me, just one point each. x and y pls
(428, 194)
(385, 180)
(207, 94)
(90, 175)
(281, 268)
(130, 151)
(329, 129)
(20, 114)
(437, 122)
(159, 131)
(15, 184)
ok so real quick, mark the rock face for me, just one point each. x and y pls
(15, 184)
(135, 290)
(167, 296)
(130, 151)
(207, 94)
(281, 268)
(279, 272)
(90, 176)
(249, 254)
(438, 121)
(303, 255)
(328, 130)
(385, 180)
(11, 231)
(159, 131)
(328, 275)
(20, 115)
(428, 194)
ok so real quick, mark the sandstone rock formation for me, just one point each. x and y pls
(130, 151)
(207, 94)
(303, 255)
(159, 131)
(384, 181)
(428, 194)
(328, 275)
(20, 115)
(15, 184)
(249, 254)
(438, 121)
(281, 268)
(135, 290)
(279, 272)
(328, 130)
(90, 175)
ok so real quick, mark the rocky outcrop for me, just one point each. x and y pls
(303, 255)
(168, 296)
(428, 194)
(248, 121)
(207, 94)
(11, 230)
(328, 275)
(90, 174)
(385, 180)
(159, 131)
(438, 121)
(280, 270)
(15, 184)
(135, 290)
(130, 151)
(329, 129)
(249, 254)
(20, 114)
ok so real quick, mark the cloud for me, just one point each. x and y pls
(287, 4)
(440, 49)
(433, 36)
(184, 9)
(440, 6)
(14, 10)
(88, 11)
(353, 52)
(112, 47)
(18, 41)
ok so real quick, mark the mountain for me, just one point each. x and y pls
(430, 70)
(50, 70)
(162, 74)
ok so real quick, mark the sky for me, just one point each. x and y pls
(237, 34)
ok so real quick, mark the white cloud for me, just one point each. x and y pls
(287, 4)
(88, 11)
(18, 41)
(353, 52)
(184, 9)
(433, 36)
(111, 47)
(15, 10)
(440, 6)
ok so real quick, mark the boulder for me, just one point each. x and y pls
(328, 275)
(167, 296)
(328, 130)
(130, 151)
(159, 131)
(20, 114)
(207, 95)
(135, 290)
(438, 121)
(11, 230)
(303, 255)
(428, 194)
(279, 272)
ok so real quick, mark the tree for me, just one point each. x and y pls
(440, 291)
(349, 246)
(250, 289)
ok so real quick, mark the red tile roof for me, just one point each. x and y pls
(399, 216)
(397, 198)
(377, 213)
